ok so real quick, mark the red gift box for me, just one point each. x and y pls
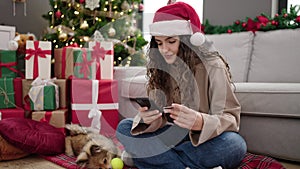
(94, 102)
(12, 113)
(18, 92)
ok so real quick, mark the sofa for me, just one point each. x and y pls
(266, 74)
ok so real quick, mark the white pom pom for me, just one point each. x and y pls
(197, 39)
(12, 45)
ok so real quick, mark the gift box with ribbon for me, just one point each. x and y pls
(64, 90)
(8, 64)
(56, 118)
(73, 61)
(44, 95)
(7, 93)
(94, 104)
(103, 54)
(64, 62)
(38, 60)
(12, 113)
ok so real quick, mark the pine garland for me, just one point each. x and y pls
(263, 22)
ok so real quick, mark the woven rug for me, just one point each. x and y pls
(251, 161)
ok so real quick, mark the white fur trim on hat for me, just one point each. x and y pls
(175, 28)
(171, 28)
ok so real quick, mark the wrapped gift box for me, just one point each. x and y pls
(38, 60)
(63, 86)
(95, 103)
(57, 118)
(72, 61)
(44, 95)
(7, 93)
(64, 62)
(8, 63)
(103, 54)
(17, 87)
(12, 113)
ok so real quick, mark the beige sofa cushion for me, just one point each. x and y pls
(236, 49)
(276, 56)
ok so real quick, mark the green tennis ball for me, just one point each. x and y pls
(117, 163)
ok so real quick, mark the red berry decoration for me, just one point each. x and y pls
(285, 15)
(81, 1)
(276, 15)
(58, 14)
(229, 31)
(244, 24)
(237, 22)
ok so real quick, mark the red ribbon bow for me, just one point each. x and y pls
(36, 52)
(97, 54)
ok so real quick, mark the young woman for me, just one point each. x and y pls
(187, 74)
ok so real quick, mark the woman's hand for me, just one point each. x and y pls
(185, 117)
(149, 116)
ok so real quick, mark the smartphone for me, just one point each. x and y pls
(146, 102)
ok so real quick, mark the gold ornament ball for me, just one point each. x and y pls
(111, 32)
(63, 37)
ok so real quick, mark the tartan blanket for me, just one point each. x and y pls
(251, 161)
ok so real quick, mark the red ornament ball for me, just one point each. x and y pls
(81, 1)
(244, 24)
(237, 22)
(141, 7)
(58, 14)
(285, 15)
(229, 31)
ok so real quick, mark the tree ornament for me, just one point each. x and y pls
(58, 14)
(141, 7)
(63, 36)
(81, 1)
(125, 5)
(92, 4)
(84, 25)
(285, 15)
(111, 32)
(229, 31)
(244, 24)
(98, 36)
(237, 22)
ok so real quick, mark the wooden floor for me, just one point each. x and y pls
(30, 162)
(35, 162)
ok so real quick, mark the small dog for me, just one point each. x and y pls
(92, 149)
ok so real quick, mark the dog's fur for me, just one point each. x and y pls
(92, 149)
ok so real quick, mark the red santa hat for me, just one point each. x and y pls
(177, 19)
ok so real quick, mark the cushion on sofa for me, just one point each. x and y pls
(32, 136)
(275, 56)
(236, 48)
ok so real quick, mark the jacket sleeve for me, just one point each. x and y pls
(224, 108)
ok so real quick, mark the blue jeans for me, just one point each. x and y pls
(171, 148)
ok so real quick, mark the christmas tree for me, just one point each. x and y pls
(74, 22)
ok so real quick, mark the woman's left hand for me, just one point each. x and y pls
(185, 117)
